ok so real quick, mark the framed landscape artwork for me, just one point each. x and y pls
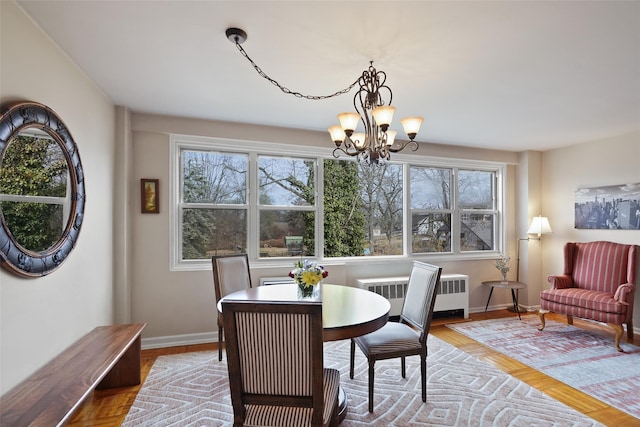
(615, 207)
(149, 198)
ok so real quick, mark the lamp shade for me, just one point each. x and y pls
(411, 125)
(337, 134)
(383, 115)
(539, 225)
(391, 137)
(349, 121)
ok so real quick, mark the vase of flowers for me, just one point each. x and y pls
(308, 275)
(502, 264)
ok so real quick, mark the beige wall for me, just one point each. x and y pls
(40, 317)
(180, 305)
(604, 162)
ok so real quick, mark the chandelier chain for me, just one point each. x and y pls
(287, 90)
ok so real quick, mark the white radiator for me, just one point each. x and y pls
(265, 281)
(453, 293)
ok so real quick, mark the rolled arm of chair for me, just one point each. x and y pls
(560, 282)
(622, 292)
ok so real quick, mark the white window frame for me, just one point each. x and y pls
(259, 207)
(254, 148)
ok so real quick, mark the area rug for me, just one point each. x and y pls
(191, 389)
(585, 360)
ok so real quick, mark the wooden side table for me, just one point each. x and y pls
(510, 284)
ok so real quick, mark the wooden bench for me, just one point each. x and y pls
(107, 357)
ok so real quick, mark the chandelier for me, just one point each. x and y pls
(372, 103)
(377, 141)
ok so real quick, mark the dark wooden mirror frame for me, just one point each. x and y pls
(13, 256)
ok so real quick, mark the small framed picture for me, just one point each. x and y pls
(150, 195)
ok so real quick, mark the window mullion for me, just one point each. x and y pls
(456, 225)
(319, 205)
(253, 216)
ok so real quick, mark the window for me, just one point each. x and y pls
(431, 209)
(213, 203)
(478, 212)
(286, 206)
(275, 205)
(362, 209)
(443, 220)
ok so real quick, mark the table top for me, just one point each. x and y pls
(347, 312)
(509, 284)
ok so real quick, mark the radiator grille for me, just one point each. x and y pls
(453, 292)
(389, 291)
(264, 281)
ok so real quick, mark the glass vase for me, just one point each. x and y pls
(504, 277)
(311, 293)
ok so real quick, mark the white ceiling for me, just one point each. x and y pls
(514, 75)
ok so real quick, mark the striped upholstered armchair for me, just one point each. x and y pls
(275, 363)
(598, 283)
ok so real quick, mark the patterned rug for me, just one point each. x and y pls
(585, 360)
(191, 389)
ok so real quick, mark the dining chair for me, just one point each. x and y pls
(230, 273)
(408, 337)
(275, 364)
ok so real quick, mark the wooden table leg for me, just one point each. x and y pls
(488, 299)
(515, 303)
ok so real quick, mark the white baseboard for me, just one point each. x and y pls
(212, 337)
(176, 340)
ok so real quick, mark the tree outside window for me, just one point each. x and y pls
(452, 210)
(214, 205)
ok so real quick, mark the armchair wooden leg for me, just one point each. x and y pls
(619, 330)
(569, 319)
(352, 357)
(541, 314)
(403, 366)
(371, 378)
(220, 338)
(630, 329)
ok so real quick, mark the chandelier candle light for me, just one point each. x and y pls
(308, 275)
(373, 109)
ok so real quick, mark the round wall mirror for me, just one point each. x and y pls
(42, 192)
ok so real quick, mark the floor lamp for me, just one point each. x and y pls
(539, 225)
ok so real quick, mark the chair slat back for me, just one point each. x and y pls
(268, 368)
(420, 298)
(274, 354)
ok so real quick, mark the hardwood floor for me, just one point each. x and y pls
(108, 408)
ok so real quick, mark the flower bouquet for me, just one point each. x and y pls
(502, 264)
(308, 275)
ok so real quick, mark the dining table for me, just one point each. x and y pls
(347, 312)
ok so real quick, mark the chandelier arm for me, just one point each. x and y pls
(388, 89)
(336, 153)
(287, 90)
(414, 146)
